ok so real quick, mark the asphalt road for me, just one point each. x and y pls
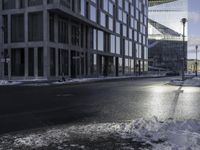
(24, 108)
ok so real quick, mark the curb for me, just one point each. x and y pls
(52, 83)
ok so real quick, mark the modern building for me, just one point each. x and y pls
(166, 34)
(49, 39)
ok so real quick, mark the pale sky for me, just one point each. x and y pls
(194, 27)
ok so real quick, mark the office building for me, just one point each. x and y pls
(49, 39)
(166, 34)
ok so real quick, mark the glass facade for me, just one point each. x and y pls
(166, 34)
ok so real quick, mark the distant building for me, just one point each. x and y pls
(49, 39)
(191, 65)
(166, 34)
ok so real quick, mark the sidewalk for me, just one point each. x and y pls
(36, 82)
(193, 82)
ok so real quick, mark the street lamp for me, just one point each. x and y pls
(183, 20)
(196, 60)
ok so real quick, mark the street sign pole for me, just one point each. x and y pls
(196, 60)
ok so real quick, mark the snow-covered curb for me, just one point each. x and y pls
(84, 80)
(195, 82)
(45, 82)
(7, 83)
(155, 134)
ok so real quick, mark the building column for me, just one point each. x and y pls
(9, 49)
(45, 40)
(56, 55)
(1, 45)
(26, 62)
(69, 61)
(56, 28)
(9, 64)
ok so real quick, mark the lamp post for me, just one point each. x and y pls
(183, 20)
(196, 60)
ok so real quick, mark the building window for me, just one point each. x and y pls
(5, 64)
(82, 7)
(9, 4)
(93, 64)
(126, 47)
(63, 31)
(40, 61)
(93, 13)
(52, 62)
(93, 39)
(17, 28)
(111, 8)
(17, 62)
(31, 61)
(130, 49)
(75, 34)
(5, 28)
(66, 3)
(118, 27)
(125, 30)
(51, 28)
(112, 44)
(35, 26)
(100, 41)
(63, 62)
(35, 2)
(118, 44)
(105, 5)
(110, 24)
(103, 19)
(21, 3)
(50, 1)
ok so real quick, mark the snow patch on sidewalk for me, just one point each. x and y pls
(155, 134)
(83, 80)
(6, 82)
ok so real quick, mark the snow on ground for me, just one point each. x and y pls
(141, 133)
(45, 82)
(6, 82)
(189, 82)
(82, 80)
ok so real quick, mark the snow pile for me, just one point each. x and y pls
(177, 82)
(156, 135)
(189, 82)
(6, 82)
(192, 82)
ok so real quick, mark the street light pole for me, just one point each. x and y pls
(183, 20)
(196, 60)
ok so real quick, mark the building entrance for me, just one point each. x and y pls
(77, 64)
(106, 65)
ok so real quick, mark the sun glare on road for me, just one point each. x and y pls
(161, 89)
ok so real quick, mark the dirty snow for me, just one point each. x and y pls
(150, 134)
(83, 80)
(189, 82)
(6, 82)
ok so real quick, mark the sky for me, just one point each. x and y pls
(193, 27)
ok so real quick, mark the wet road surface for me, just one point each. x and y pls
(114, 101)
